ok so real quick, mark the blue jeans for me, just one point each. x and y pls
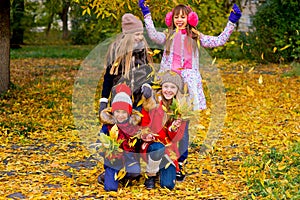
(132, 165)
(184, 144)
(167, 176)
(156, 150)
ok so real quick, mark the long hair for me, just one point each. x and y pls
(120, 54)
(190, 41)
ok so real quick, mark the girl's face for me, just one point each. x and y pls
(138, 37)
(180, 20)
(120, 115)
(138, 40)
(169, 90)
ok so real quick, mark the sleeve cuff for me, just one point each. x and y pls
(103, 100)
(231, 23)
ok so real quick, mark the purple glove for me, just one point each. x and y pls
(146, 90)
(102, 106)
(145, 9)
(235, 14)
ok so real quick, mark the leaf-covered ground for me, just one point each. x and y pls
(256, 156)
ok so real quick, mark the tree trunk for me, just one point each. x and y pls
(50, 21)
(4, 44)
(64, 18)
(17, 27)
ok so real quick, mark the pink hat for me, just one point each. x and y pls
(122, 100)
(131, 24)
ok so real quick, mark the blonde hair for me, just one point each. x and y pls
(120, 53)
(190, 41)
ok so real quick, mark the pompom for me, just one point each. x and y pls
(193, 19)
(169, 19)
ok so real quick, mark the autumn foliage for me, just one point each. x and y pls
(255, 157)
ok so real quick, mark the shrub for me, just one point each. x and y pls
(276, 31)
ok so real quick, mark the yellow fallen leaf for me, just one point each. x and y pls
(213, 62)
(167, 165)
(250, 91)
(121, 174)
(260, 79)
(262, 56)
(251, 70)
(131, 164)
(281, 166)
(288, 195)
(274, 49)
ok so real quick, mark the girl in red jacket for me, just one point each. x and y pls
(160, 148)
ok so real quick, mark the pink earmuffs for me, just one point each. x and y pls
(192, 18)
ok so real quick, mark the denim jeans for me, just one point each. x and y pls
(184, 144)
(156, 150)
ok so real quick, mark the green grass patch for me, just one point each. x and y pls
(51, 51)
(295, 70)
(275, 175)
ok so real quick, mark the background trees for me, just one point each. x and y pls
(4, 45)
(276, 32)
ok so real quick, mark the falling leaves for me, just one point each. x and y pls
(260, 80)
(285, 47)
(255, 156)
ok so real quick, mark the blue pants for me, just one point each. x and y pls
(156, 150)
(184, 144)
(167, 176)
(132, 166)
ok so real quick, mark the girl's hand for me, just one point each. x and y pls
(147, 137)
(235, 14)
(176, 124)
(145, 9)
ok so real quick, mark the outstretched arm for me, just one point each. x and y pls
(215, 41)
(154, 35)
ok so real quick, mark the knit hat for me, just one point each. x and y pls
(131, 24)
(172, 77)
(122, 100)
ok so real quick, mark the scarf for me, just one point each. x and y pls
(182, 56)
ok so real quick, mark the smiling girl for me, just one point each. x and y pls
(181, 53)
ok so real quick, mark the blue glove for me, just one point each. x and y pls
(145, 9)
(235, 14)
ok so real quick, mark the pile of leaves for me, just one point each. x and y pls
(255, 156)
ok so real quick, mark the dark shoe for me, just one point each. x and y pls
(180, 175)
(101, 178)
(150, 182)
(129, 181)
